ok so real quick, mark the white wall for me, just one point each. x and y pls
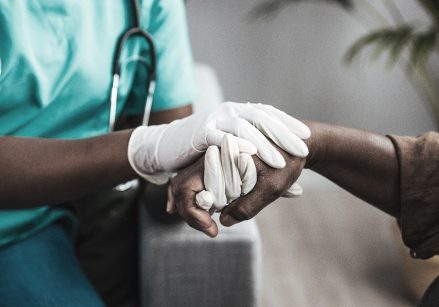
(295, 62)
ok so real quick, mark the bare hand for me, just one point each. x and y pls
(181, 198)
(271, 184)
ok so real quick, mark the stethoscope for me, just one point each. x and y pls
(135, 31)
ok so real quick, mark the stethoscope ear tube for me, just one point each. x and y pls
(113, 102)
(148, 103)
(123, 39)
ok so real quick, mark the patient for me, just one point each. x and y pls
(398, 175)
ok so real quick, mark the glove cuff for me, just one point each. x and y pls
(142, 149)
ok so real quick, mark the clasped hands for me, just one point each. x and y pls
(254, 155)
(271, 183)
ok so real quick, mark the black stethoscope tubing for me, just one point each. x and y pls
(135, 31)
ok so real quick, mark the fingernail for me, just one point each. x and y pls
(168, 206)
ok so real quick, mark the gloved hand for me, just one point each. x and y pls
(166, 148)
(229, 174)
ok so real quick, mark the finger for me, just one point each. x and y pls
(294, 125)
(197, 218)
(171, 208)
(243, 208)
(214, 181)
(276, 131)
(202, 221)
(229, 163)
(294, 191)
(215, 137)
(247, 172)
(243, 129)
(204, 200)
(247, 206)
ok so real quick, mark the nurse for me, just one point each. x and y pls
(56, 59)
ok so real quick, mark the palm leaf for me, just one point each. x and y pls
(393, 40)
(431, 7)
(272, 7)
(424, 44)
(400, 42)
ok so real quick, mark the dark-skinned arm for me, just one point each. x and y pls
(37, 171)
(398, 175)
(361, 162)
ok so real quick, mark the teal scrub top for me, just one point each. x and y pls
(56, 59)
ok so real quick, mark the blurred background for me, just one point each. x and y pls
(326, 248)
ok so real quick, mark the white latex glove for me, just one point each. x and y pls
(227, 175)
(153, 150)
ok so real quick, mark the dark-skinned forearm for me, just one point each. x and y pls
(35, 171)
(361, 162)
(165, 117)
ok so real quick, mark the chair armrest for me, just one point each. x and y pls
(180, 266)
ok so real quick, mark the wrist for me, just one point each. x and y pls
(316, 143)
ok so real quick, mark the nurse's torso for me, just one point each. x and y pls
(56, 58)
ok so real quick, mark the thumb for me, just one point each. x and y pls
(246, 207)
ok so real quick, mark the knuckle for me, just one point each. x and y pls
(175, 184)
(195, 223)
(243, 213)
(177, 191)
(274, 186)
(273, 189)
(180, 187)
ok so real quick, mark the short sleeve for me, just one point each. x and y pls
(175, 82)
(419, 185)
